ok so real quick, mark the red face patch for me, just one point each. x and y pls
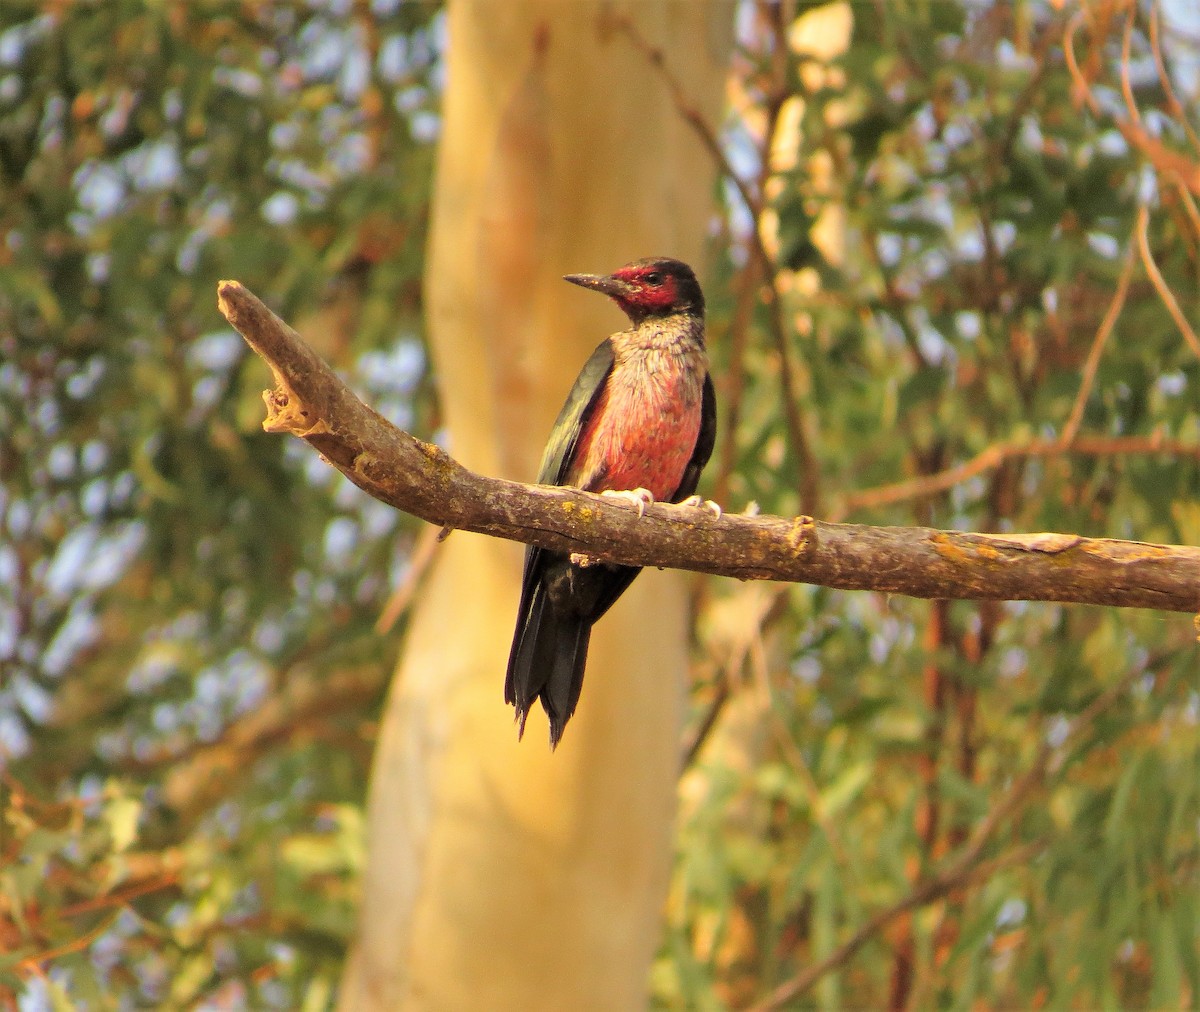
(653, 290)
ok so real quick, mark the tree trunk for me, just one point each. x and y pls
(501, 876)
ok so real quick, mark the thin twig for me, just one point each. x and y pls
(735, 378)
(998, 453)
(1126, 85)
(1161, 286)
(1174, 106)
(708, 721)
(1083, 88)
(750, 280)
(418, 564)
(33, 964)
(690, 114)
(124, 896)
(1071, 429)
(1164, 159)
(768, 615)
(929, 891)
(798, 421)
(1189, 202)
(797, 424)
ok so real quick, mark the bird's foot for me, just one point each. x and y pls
(640, 497)
(583, 561)
(703, 504)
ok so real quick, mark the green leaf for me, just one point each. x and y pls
(845, 787)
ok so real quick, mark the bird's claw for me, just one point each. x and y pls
(639, 497)
(582, 561)
(703, 504)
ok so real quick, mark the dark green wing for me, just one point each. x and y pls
(564, 437)
(550, 648)
(561, 600)
(705, 441)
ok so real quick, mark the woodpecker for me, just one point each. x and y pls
(639, 423)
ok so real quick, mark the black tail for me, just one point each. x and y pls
(548, 655)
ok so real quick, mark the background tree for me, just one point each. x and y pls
(967, 300)
(499, 874)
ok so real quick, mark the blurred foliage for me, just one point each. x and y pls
(189, 677)
(949, 222)
(189, 674)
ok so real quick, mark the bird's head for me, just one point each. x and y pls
(650, 288)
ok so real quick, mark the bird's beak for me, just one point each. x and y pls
(606, 283)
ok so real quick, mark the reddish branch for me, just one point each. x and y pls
(300, 708)
(998, 453)
(1174, 106)
(1164, 159)
(310, 401)
(1161, 286)
(1169, 164)
(1075, 420)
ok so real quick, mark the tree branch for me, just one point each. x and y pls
(310, 401)
(1164, 159)
(1092, 365)
(926, 485)
(927, 892)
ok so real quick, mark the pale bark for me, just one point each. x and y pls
(500, 876)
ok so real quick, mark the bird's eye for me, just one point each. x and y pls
(653, 279)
